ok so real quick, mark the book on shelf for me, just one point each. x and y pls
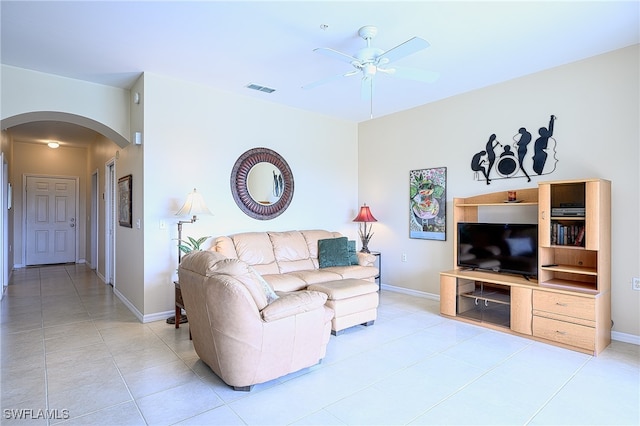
(580, 237)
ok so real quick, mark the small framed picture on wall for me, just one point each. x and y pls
(124, 201)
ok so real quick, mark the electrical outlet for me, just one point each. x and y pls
(404, 257)
(635, 283)
(163, 224)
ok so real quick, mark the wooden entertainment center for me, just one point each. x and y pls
(569, 305)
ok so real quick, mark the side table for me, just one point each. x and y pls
(178, 318)
(179, 306)
(377, 277)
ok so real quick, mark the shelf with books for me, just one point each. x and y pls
(567, 233)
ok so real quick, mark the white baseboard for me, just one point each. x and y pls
(615, 335)
(158, 316)
(128, 304)
(625, 337)
(410, 292)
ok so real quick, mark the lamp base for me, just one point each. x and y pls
(172, 320)
(365, 245)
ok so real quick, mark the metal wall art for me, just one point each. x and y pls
(427, 204)
(516, 160)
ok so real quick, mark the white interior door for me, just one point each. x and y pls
(93, 233)
(110, 222)
(51, 220)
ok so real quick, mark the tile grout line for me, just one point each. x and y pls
(562, 386)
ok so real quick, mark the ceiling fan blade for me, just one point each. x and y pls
(335, 54)
(407, 48)
(411, 74)
(329, 79)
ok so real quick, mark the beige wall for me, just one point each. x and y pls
(596, 102)
(193, 136)
(30, 95)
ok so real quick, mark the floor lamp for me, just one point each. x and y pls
(193, 206)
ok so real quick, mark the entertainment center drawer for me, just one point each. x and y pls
(564, 332)
(565, 304)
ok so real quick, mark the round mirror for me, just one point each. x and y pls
(265, 183)
(262, 183)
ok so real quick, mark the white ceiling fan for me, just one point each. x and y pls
(370, 60)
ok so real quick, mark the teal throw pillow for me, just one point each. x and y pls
(333, 252)
(353, 256)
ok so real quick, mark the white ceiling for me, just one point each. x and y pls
(228, 45)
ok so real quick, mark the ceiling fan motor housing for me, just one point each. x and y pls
(368, 32)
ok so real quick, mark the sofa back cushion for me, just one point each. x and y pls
(272, 253)
(291, 251)
(254, 248)
(312, 237)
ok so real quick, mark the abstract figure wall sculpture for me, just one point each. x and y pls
(517, 161)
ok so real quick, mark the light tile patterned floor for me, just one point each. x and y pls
(71, 349)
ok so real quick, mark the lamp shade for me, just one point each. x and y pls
(194, 205)
(365, 215)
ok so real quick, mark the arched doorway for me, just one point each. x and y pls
(28, 135)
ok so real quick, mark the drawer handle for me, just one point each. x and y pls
(476, 301)
(561, 304)
(561, 332)
(486, 302)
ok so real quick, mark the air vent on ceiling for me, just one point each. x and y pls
(260, 88)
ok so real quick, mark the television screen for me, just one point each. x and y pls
(499, 247)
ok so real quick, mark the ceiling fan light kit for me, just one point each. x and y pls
(369, 60)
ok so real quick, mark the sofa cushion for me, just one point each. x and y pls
(354, 271)
(285, 282)
(290, 251)
(316, 276)
(333, 252)
(256, 249)
(224, 245)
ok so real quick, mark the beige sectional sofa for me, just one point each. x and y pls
(263, 304)
(289, 260)
(293, 261)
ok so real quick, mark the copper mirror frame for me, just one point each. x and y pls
(240, 189)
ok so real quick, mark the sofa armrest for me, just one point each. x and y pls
(290, 304)
(366, 259)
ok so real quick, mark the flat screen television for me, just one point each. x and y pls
(499, 247)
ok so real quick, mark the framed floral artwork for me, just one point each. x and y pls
(427, 204)
(124, 201)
